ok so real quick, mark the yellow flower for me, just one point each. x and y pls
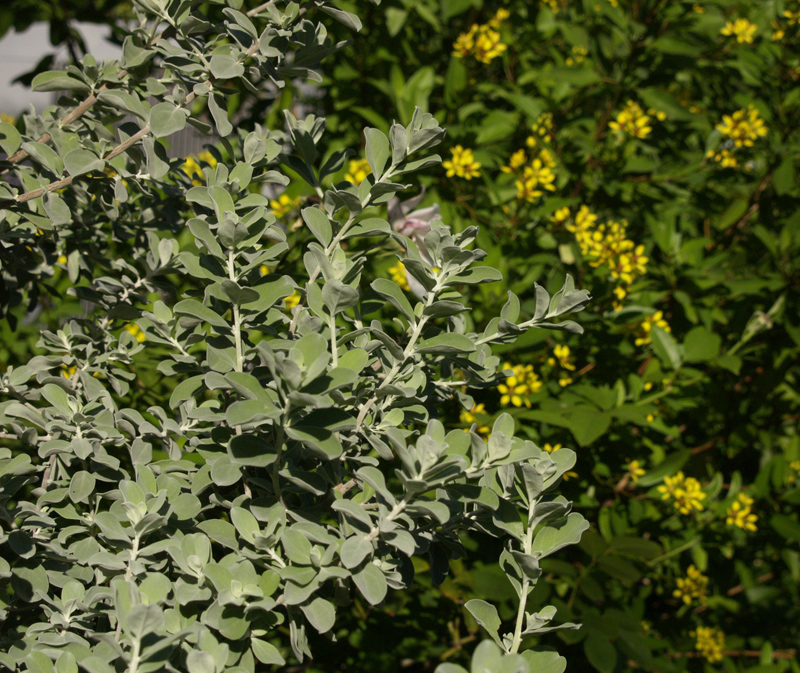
(740, 514)
(481, 41)
(646, 327)
(516, 162)
(632, 120)
(550, 448)
(194, 170)
(535, 177)
(468, 417)
(635, 470)
(698, 9)
(500, 16)
(744, 126)
(562, 352)
(68, 372)
(357, 171)
(724, 158)
(61, 259)
(778, 31)
(292, 300)
(555, 5)
(263, 269)
(561, 215)
(741, 28)
(135, 331)
(8, 119)
(284, 205)
(710, 642)
(516, 388)
(794, 473)
(462, 164)
(398, 274)
(693, 587)
(685, 491)
(578, 55)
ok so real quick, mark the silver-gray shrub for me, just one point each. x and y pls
(301, 457)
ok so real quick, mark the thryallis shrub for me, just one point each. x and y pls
(234, 432)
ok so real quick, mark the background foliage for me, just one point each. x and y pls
(680, 399)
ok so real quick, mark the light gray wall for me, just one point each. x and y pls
(20, 52)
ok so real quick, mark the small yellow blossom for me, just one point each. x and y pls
(481, 41)
(724, 158)
(684, 491)
(135, 331)
(263, 270)
(693, 587)
(284, 205)
(516, 388)
(646, 327)
(68, 372)
(710, 642)
(516, 162)
(635, 470)
(794, 472)
(579, 55)
(562, 353)
(555, 5)
(535, 178)
(357, 171)
(561, 215)
(744, 126)
(8, 119)
(292, 300)
(398, 274)
(462, 164)
(500, 16)
(61, 259)
(632, 120)
(698, 9)
(778, 31)
(469, 417)
(740, 514)
(741, 28)
(193, 168)
(551, 448)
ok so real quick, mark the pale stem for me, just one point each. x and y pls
(523, 595)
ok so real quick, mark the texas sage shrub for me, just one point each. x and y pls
(232, 432)
(650, 149)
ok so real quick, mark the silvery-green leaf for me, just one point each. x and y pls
(486, 616)
(371, 583)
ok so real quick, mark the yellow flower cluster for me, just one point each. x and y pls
(607, 245)
(68, 372)
(692, 587)
(724, 158)
(744, 127)
(551, 448)
(462, 164)
(469, 417)
(135, 331)
(516, 388)
(541, 130)
(634, 121)
(193, 167)
(645, 328)
(284, 205)
(579, 55)
(482, 41)
(742, 29)
(635, 470)
(398, 274)
(357, 171)
(555, 5)
(710, 642)
(684, 491)
(740, 513)
(563, 358)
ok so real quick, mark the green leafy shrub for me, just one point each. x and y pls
(650, 149)
(229, 432)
